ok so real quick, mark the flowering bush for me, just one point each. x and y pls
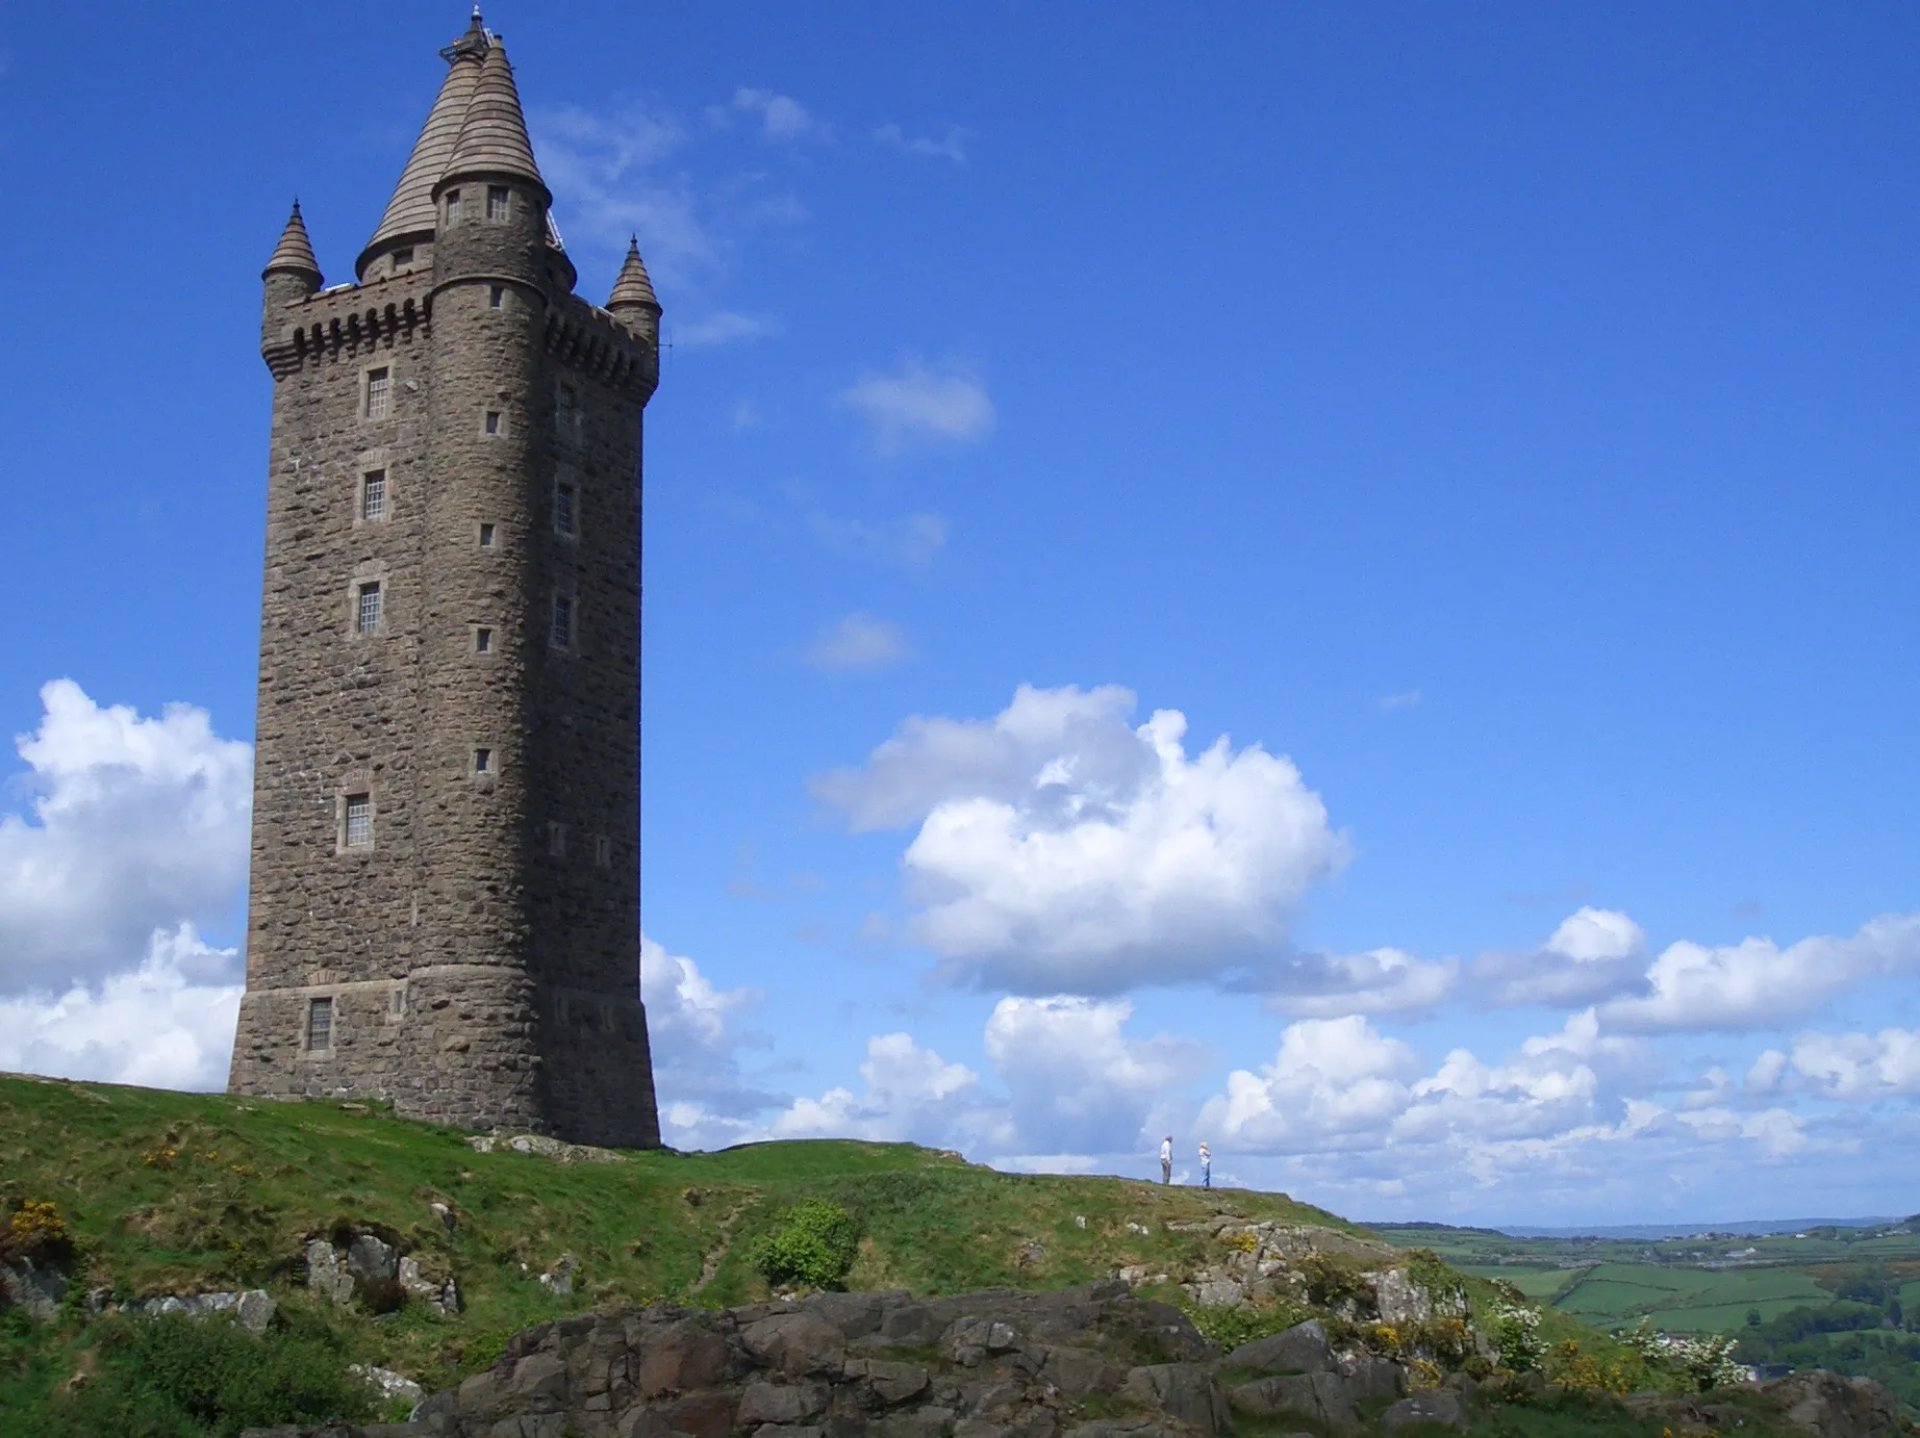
(1515, 1330)
(36, 1230)
(1704, 1359)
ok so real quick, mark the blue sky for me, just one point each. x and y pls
(1504, 416)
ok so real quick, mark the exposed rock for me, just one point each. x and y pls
(1185, 1391)
(1836, 1407)
(387, 1383)
(36, 1289)
(545, 1147)
(1432, 1405)
(1324, 1397)
(1303, 1348)
(326, 1274)
(371, 1257)
(252, 1309)
(559, 1278)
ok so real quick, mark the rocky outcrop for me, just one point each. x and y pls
(1089, 1362)
(377, 1271)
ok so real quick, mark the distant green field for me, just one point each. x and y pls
(1686, 1299)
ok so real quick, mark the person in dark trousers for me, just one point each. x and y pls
(1166, 1159)
(1206, 1165)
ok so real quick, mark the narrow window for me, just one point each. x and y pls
(367, 615)
(562, 621)
(496, 202)
(486, 536)
(320, 1023)
(373, 495)
(493, 421)
(359, 821)
(557, 840)
(379, 393)
(602, 851)
(399, 1001)
(403, 255)
(453, 207)
(496, 296)
(563, 509)
(567, 418)
(483, 641)
(483, 761)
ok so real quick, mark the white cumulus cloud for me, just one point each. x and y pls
(918, 404)
(1859, 1066)
(167, 1023)
(1078, 1083)
(859, 641)
(1061, 849)
(136, 825)
(1756, 984)
(693, 1029)
(911, 1094)
(1595, 954)
(1334, 1083)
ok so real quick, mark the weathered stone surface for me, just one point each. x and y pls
(326, 1274)
(1322, 1396)
(1836, 1407)
(1369, 1378)
(780, 1403)
(796, 1343)
(1185, 1391)
(1302, 1348)
(1432, 1405)
(36, 1289)
(478, 954)
(371, 1257)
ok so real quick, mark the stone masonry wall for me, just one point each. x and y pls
(482, 963)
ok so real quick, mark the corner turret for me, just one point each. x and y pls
(291, 275)
(633, 302)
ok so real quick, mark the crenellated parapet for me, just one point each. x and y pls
(592, 342)
(348, 321)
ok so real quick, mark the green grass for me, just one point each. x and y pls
(1683, 1299)
(169, 1192)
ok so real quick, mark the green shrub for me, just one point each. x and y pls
(1231, 1327)
(814, 1243)
(180, 1377)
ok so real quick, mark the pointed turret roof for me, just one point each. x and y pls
(493, 141)
(411, 212)
(294, 253)
(633, 289)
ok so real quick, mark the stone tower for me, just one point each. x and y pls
(445, 899)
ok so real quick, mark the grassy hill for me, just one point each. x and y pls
(181, 1193)
(168, 1193)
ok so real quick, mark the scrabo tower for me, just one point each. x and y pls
(445, 896)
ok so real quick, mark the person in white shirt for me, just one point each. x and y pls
(1206, 1165)
(1166, 1159)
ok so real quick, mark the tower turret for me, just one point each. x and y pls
(633, 302)
(291, 275)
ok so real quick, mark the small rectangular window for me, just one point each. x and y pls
(563, 512)
(486, 536)
(563, 621)
(483, 761)
(557, 840)
(567, 412)
(399, 1001)
(483, 641)
(403, 255)
(496, 202)
(496, 296)
(359, 821)
(373, 495)
(320, 1023)
(453, 207)
(367, 615)
(493, 421)
(602, 851)
(379, 393)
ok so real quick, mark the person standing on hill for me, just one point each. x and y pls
(1206, 1165)
(1166, 1159)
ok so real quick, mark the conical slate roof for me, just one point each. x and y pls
(294, 253)
(633, 289)
(411, 210)
(493, 141)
